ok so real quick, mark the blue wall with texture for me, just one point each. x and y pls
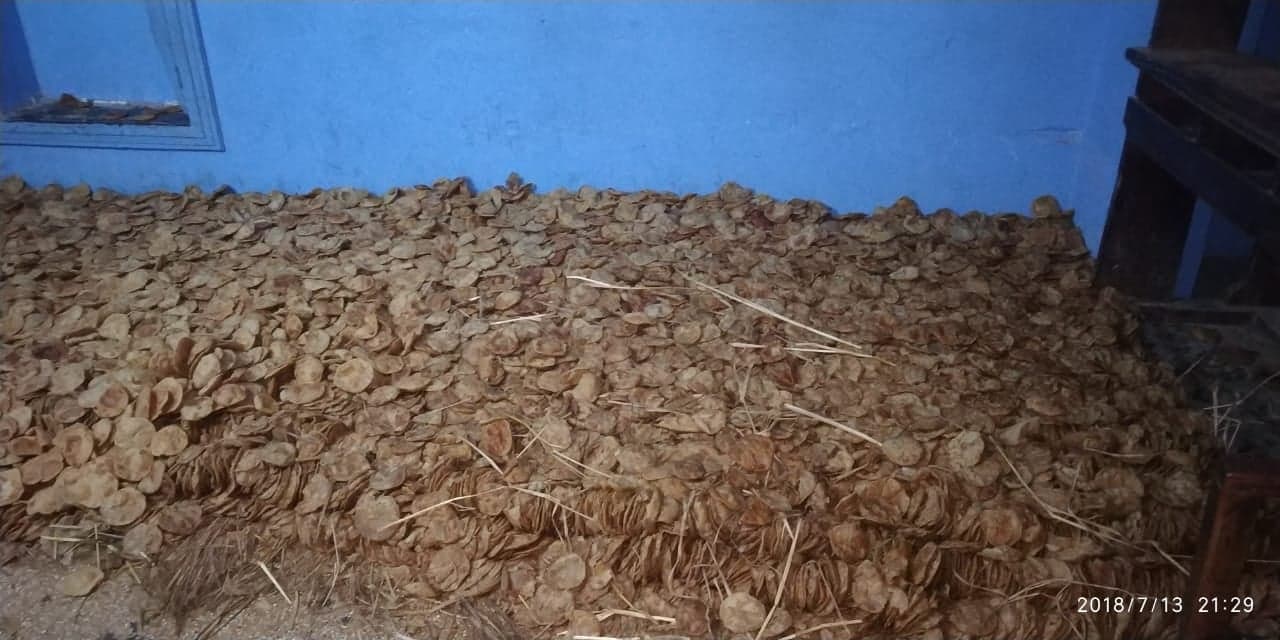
(969, 105)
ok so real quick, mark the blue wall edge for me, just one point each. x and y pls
(176, 27)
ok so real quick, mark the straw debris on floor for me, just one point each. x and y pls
(613, 413)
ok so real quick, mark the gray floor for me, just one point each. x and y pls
(32, 607)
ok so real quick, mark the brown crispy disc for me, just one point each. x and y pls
(168, 441)
(353, 376)
(115, 327)
(123, 507)
(42, 468)
(308, 369)
(154, 480)
(67, 410)
(315, 494)
(11, 487)
(101, 430)
(303, 392)
(75, 443)
(131, 465)
(67, 378)
(387, 477)
(565, 572)
(496, 438)
(448, 568)
(90, 486)
(142, 541)
(47, 500)
(314, 342)
(180, 518)
(278, 454)
(903, 450)
(229, 395)
(170, 392)
(373, 513)
(197, 409)
(346, 466)
(133, 433)
(112, 401)
(741, 612)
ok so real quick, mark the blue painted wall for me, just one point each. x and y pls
(970, 105)
(1127, 24)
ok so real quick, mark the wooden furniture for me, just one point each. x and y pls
(1204, 123)
(1229, 512)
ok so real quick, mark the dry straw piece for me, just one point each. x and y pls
(606, 412)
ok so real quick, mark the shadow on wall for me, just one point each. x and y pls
(18, 84)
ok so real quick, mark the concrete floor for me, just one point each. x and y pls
(32, 607)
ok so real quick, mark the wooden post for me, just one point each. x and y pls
(1146, 228)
